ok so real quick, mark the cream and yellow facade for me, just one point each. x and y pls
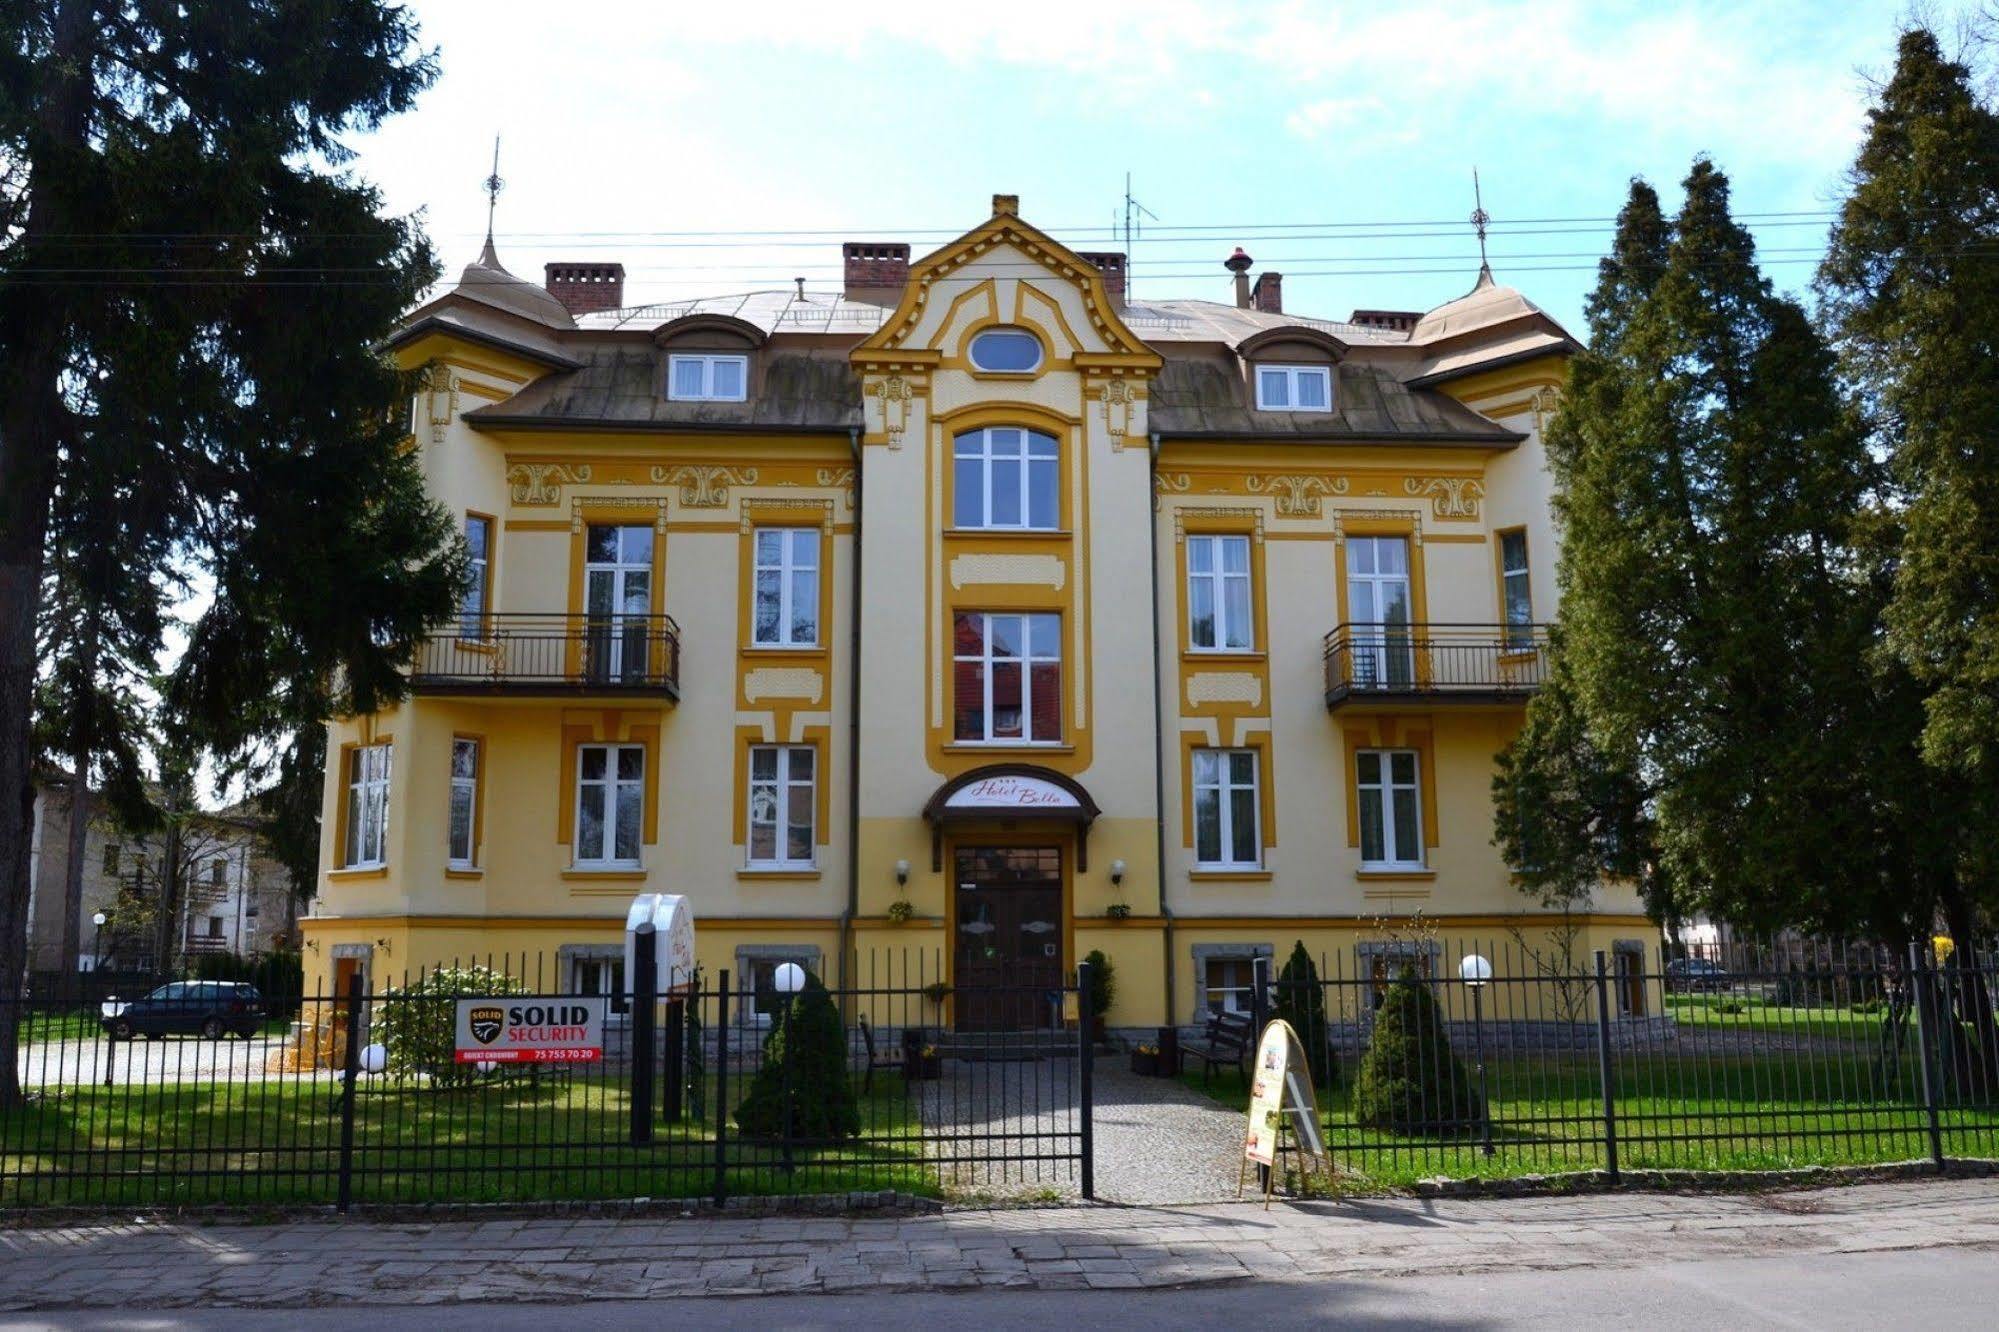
(957, 626)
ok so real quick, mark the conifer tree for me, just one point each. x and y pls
(1410, 1080)
(1911, 293)
(802, 1088)
(192, 296)
(1716, 621)
(1301, 1001)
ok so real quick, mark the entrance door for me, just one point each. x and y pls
(617, 593)
(1378, 605)
(1008, 953)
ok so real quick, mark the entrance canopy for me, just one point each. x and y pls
(1010, 791)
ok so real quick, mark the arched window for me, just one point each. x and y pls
(1006, 350)
(1005, 476)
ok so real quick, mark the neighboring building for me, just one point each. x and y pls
(237, 900)
(990, 591)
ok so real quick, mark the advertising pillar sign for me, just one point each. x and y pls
(1281, 1097)
(506, 1029)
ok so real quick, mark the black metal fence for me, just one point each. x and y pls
(719, 1088)
(1476, 661)
(495, 653)
(1494, 1058)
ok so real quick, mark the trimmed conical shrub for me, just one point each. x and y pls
(1301, 1001)
(805, 1065)
(1410, 1080)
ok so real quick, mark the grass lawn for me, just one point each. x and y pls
(277, 1142)
(1673, 1112)
(1751, 1013)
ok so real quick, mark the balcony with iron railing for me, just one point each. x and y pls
(1471, 663)
(532, 654)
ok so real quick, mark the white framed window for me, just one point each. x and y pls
(1391, 808)
(218, 872)
(1007, 678)
(472, 610)
(367, 805)
(603, 976)
(610, 796)
(707, 378)
(1005, 477)
(1294, 388)
(787, 587)
(1379, 608)
(464, 801)
(1006, 351)
(782, 805)
(1230, 983)
(1218, 601)
(1227, 822)
(1518, 593)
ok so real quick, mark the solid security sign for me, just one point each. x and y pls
(506, 1030)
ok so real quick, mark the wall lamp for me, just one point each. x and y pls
(901, 872)
(1117, 874)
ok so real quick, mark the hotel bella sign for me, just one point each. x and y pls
(1012, 793)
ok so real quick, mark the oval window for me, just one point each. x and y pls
(1006, 349)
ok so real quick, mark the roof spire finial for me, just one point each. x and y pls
(493, 185)
(1479, 219)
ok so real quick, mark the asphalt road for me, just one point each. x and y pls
(1929, 1288)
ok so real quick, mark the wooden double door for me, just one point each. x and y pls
(1008, 971)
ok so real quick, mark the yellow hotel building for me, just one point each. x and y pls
(980, 617)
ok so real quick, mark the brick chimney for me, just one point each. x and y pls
(1238, 264)
(1110, 264)
(583, 287)
(876, 271)
(1268, 293)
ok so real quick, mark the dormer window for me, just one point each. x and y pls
(1294, 388)
(707, 378)
(1011, 351)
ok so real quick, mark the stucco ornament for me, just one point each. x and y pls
(842, 477)
(894, 394)
(542, 483)
(1298, 496)
(442, 386)
(1117, 399)
(1169, 483)
(1450, 496)
(704, 487)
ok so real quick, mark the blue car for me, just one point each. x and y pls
(210, 1009)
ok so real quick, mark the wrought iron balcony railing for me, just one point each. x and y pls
(1472, 662)
(554, 654)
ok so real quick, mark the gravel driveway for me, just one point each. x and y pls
(1156, 1140)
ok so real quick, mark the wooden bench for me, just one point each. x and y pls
(1226, 1039)
(875, 1058)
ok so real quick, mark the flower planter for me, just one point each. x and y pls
(923, 1068)
(1145, 1063)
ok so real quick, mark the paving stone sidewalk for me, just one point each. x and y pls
(306, 1264)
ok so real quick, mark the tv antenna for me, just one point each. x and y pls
(1135, 214)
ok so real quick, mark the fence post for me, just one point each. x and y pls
(721, 1089)
(350, 1071)
(1605, 1074)
(1085, 1065)
(645, 994)
(675, 1087)
(1259, 996)
(1928, 1030)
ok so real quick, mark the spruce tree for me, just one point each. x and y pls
(1410, 1080)
(1301, 1001)
(804, 1068)
(1715, 621)
(1911, 294)
(193, 292)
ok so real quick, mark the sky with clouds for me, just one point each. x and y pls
(1334, 141)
